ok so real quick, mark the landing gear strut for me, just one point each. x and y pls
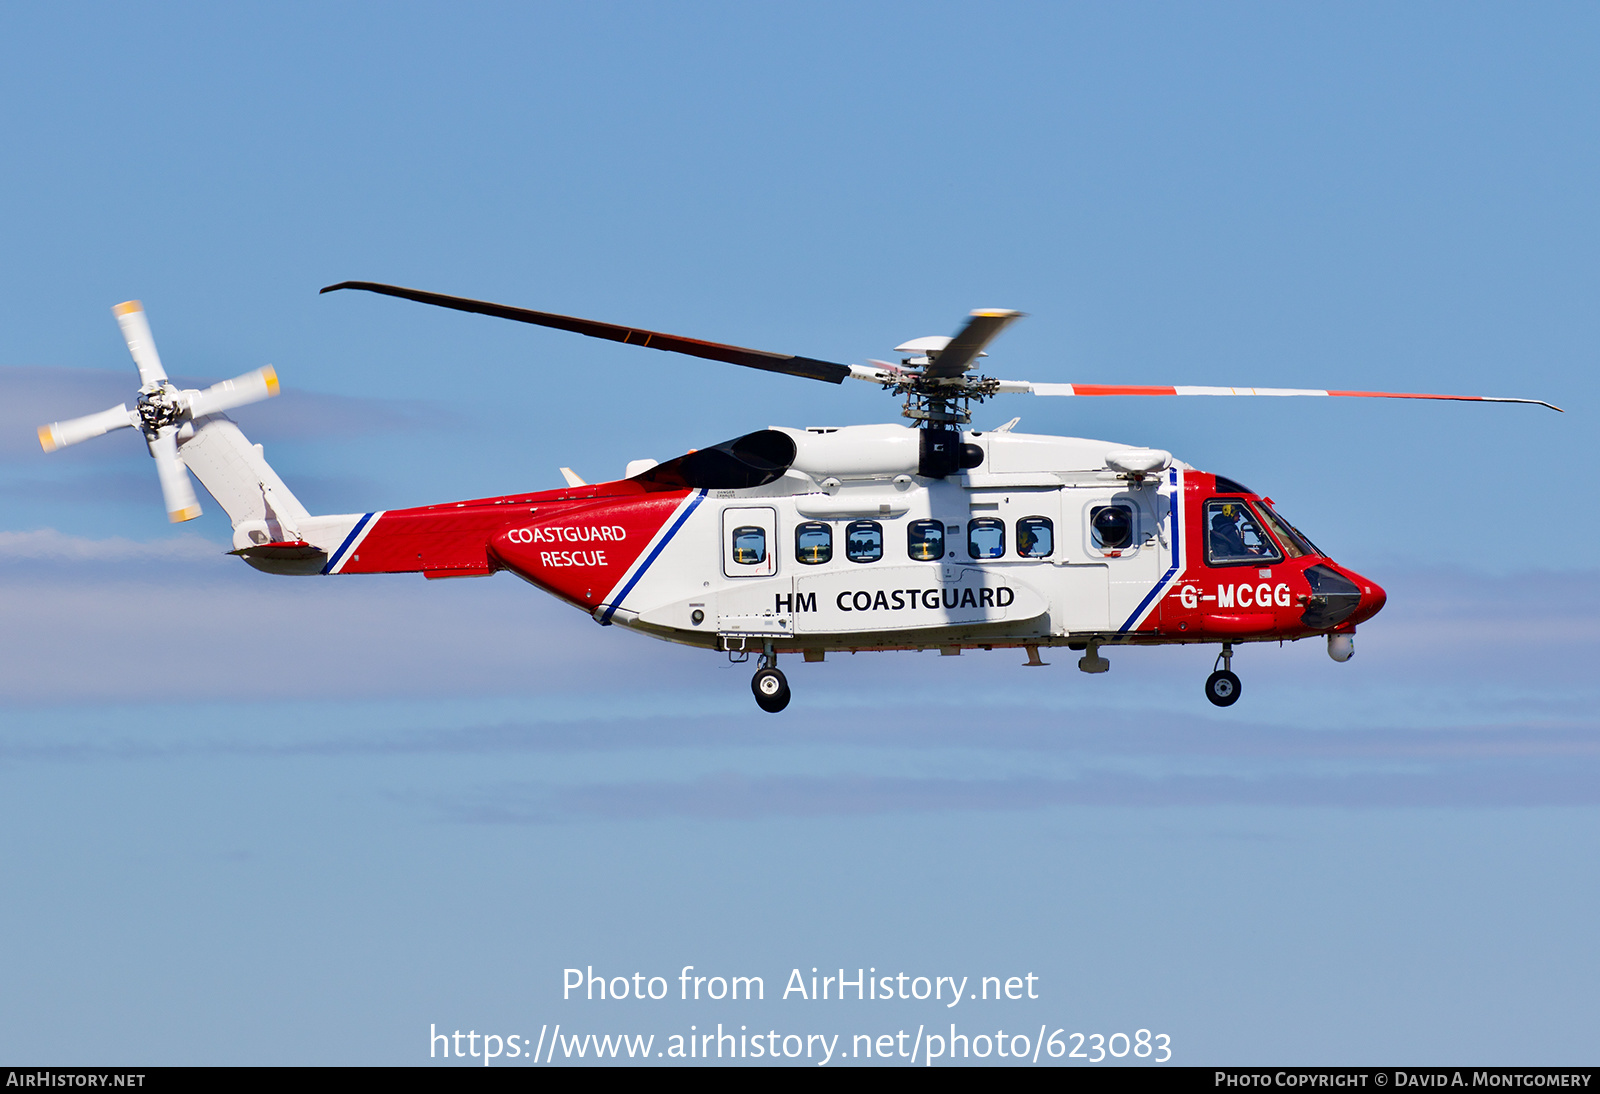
(1222, 686)
(1092, 661)
(768, 684)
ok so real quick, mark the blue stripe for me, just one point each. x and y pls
(605, 620)
(1177, 558)
(345, 546)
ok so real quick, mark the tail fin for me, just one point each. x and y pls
(244, 484)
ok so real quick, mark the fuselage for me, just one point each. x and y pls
(817, 540)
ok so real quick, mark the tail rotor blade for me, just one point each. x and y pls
(60, 434)
(136, 332)
(252, 387)
(176, 489)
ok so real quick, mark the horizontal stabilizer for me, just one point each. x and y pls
(297, 550)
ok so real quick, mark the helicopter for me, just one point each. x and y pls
(809, 541)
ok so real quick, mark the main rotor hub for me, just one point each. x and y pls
(940, 401)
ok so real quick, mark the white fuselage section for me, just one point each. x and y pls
(852, 549)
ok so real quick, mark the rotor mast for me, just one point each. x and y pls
(933, 371)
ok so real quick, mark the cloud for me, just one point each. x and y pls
(127, 650)
(106, 486)
(732, 795)
(50, 545)
(93, 621)
(137, 485)
(36, 395)
(87, 621)
(301, 414)
(730, 765)
(561, 725)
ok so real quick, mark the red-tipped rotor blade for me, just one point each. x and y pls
(1161, 389)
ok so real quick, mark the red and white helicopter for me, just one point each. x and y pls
(810, 541)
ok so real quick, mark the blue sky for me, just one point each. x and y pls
(273, 820)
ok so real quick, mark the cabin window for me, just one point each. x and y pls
(813, 543)
(863, 541)
(1036, 537)
(925, 540)
(986, 537)
(1111, 527)
(749, 545)
(1234, 535)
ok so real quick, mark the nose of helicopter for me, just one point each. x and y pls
(1373, 598)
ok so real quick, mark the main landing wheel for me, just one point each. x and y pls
(772, 690)
(1222, 688)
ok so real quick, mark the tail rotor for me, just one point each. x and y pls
(161, 411)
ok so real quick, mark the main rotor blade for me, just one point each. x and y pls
(1155, 389)
(60, 434)
(982, 327)
(136, 332)
(176, 489)
(808, 367)
(252, 387)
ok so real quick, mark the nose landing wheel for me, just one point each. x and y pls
(1222, 686)
(771, 690)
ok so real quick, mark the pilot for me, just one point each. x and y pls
(1226, 542)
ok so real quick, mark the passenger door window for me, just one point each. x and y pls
(747, 538)
(749, 545)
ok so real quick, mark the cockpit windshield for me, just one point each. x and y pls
(1288, 535)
